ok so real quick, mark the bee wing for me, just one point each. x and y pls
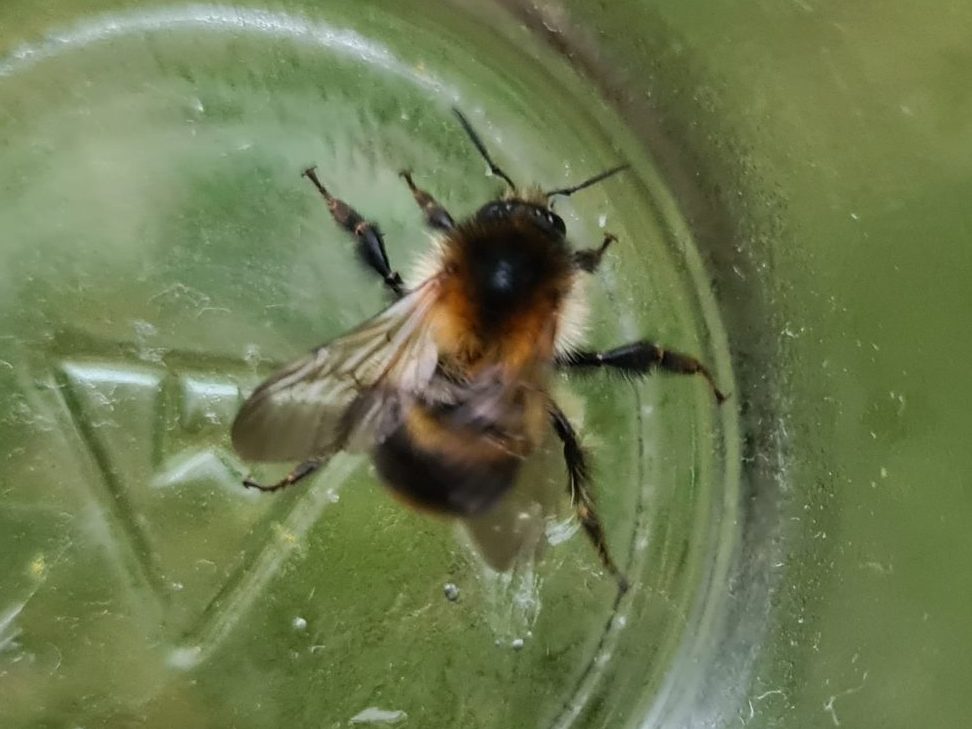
(341, 393)
(536, 511)
(515, 528)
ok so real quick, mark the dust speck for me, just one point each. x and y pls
(374, 715)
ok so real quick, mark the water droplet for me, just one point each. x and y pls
(299, 623)
(451, 591)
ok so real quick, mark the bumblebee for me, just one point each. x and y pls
(447, 388)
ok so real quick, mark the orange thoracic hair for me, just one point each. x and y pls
(503, 285)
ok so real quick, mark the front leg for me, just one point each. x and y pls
(581, 496)
(436, 216)
(640, 358)
(371, 246)
(588, 259)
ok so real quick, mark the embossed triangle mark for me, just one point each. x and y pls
(178, 518)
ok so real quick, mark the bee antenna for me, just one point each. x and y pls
(493, 169)
(588, 182)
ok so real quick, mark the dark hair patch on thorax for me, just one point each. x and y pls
(508, 265)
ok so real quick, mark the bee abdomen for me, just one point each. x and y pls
(434, 479)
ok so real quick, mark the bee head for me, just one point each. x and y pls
(516, 210)
(509, 256)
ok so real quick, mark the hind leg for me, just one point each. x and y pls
(299, 473)
(580, 492)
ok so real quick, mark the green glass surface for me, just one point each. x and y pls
(795, 214)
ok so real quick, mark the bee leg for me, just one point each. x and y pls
(436, 216)
(580, 494)
(299, 473)
(640, 358)
(588, 259)
(371, 245)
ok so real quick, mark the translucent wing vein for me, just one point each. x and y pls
(340, 394)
